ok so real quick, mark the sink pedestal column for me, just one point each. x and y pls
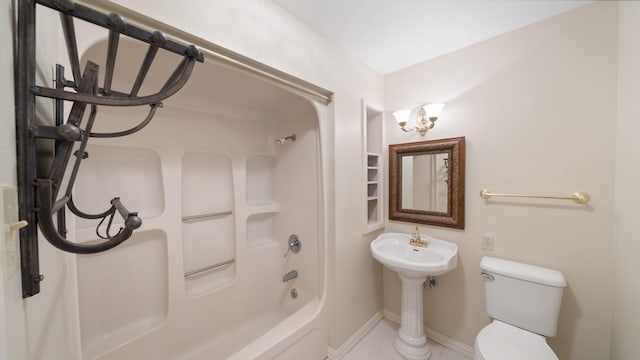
(411, 342)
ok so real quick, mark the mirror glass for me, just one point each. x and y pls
(424, 182)
(427, 182)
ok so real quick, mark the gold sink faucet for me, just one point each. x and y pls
(416, 240)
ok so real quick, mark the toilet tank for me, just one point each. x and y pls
(523, 295)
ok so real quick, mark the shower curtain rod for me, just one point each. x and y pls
(215, 52)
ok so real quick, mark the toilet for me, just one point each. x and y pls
(524, 302)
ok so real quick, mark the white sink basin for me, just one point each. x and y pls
(393, 250)
(413, 264)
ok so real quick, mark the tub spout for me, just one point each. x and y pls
(290, 275)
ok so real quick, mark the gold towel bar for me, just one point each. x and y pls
(579, 197)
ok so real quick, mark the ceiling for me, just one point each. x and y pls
(389, 35)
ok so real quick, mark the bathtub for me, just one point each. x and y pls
(212, 187)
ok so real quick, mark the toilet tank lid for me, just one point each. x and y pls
(522, 271)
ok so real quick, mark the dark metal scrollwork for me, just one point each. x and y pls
(38, 189)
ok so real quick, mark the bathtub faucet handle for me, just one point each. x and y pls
(294, 245)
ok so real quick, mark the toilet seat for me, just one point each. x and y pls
(501, 341)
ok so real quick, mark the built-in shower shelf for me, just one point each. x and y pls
(260, 228)
(263, 243)
(265, 209)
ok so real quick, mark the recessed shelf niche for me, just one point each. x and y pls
(132, 174)
(260, 179)
(208, 223)
(260, 229)
(123, 292)
(373, 168)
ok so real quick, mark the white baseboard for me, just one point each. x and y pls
(443, 340)
(338, 354)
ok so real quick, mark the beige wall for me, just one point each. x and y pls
(43, 326)
(7, 147)
(537, 107)
(626, 316)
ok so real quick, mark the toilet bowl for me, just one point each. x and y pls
(501, 341)
(524, 302)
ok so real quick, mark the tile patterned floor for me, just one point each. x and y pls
(378, 345)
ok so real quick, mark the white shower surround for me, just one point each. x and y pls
(150, 311)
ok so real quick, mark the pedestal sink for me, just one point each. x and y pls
(413, 264)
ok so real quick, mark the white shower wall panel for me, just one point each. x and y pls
(260, 171)
(123, 292)
(214, 150)
(297, 189)
(254, 289)
(208, 226)
(207, 242)
(133, 174)
(207, 183)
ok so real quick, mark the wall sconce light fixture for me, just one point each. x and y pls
(425, 118)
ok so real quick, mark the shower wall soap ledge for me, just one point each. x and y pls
(264, 209)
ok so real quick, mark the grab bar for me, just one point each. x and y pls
(210, 267)
(202, 216)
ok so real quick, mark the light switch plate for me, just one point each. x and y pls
(9, 239)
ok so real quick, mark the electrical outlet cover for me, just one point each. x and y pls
(487, 242)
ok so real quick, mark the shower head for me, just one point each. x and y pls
(280, 142)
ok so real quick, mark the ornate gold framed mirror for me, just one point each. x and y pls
(426, 182)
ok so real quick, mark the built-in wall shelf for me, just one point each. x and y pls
(373, 174)
(265, 208)
(262, 209)
(260, 229)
